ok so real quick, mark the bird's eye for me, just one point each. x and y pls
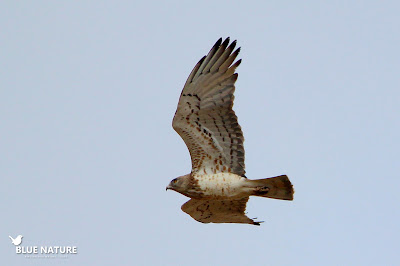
(174, 181)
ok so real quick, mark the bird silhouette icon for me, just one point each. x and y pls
(16, 241)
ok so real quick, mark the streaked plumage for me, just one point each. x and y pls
(206, 122)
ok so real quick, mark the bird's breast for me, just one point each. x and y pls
(221, 185)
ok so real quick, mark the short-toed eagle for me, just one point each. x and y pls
(217, 185)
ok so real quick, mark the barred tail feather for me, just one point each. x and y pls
(278, 187)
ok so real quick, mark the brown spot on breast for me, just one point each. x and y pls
(194, 188)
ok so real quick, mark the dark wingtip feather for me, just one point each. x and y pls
(237, 50)
(226, 42)
(232, 46)
(201, 60)
(194, 71)
(217, 43)
(235, 77)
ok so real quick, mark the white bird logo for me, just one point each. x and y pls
(16, 241)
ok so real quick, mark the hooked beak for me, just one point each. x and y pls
(168, 187)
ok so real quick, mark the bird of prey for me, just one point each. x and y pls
(217, 185)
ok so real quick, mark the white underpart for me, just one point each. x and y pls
(223, 185)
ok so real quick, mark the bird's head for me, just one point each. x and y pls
(19, 236)
(179, 184)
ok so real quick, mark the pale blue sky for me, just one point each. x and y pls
(88, 90)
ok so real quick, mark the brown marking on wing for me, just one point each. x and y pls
(218, 211)
(204, 117)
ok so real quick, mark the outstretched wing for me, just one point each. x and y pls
(218, 211)
(204, 117)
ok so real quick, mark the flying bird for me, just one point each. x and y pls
(16, 241)
(217, 185)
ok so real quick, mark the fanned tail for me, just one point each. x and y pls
(278, 187)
